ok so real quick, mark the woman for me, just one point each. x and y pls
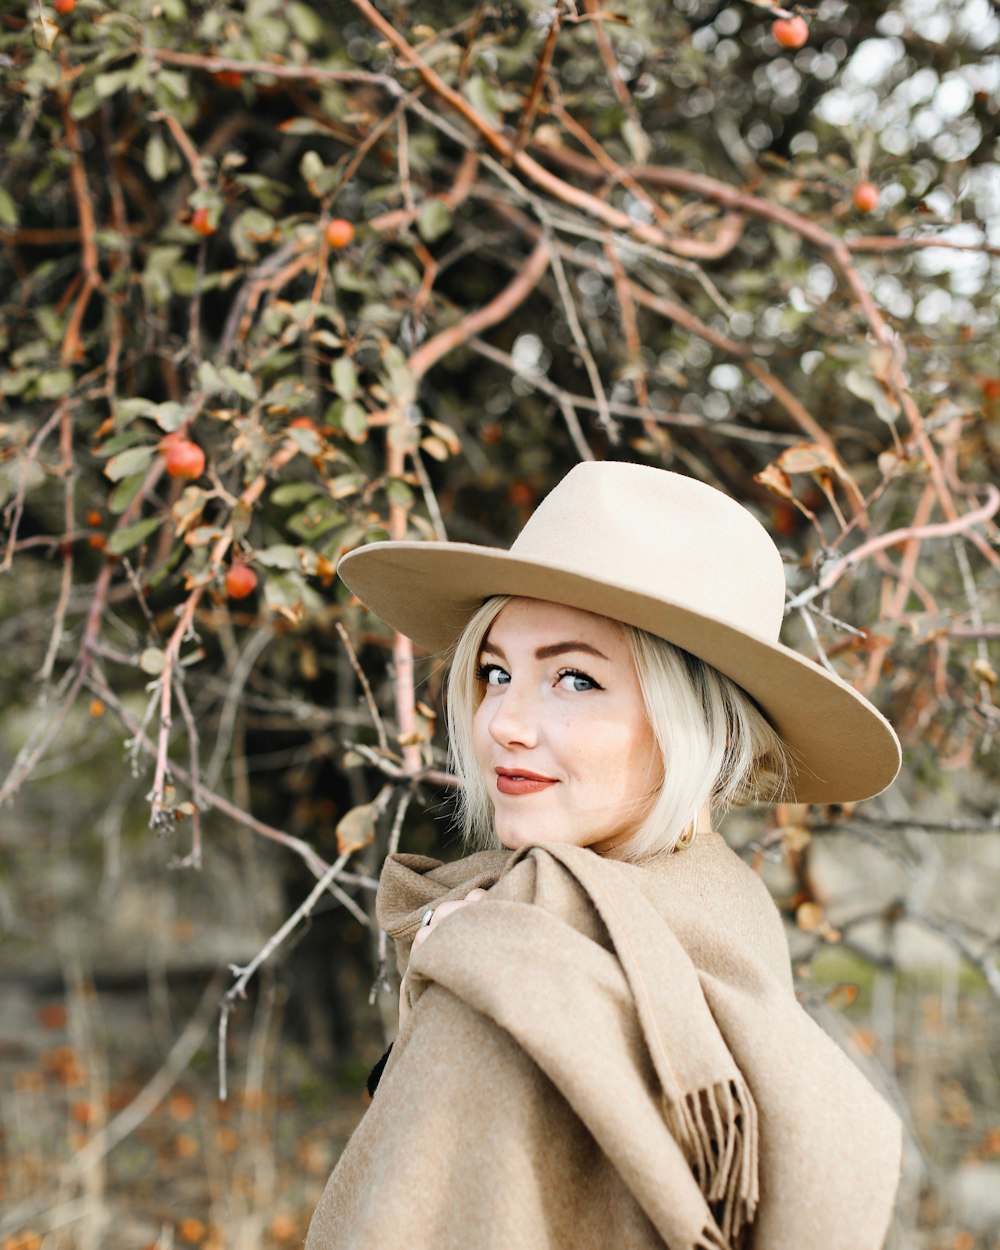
(600, 1044)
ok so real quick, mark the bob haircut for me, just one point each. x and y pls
(715, 744)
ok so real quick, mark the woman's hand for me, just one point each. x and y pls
(423, 933)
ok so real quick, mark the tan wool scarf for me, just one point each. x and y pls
(604, 1054)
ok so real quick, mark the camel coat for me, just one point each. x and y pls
(603, 1055)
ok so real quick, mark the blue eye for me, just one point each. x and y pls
(577, 681)
(492, 675)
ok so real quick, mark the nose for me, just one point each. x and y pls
(514, 716)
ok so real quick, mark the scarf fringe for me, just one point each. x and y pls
(716, 1128)
(710, 1239)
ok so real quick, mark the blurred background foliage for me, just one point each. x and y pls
(284, 277)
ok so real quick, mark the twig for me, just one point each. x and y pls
(498, 308)
(430, 499)
(212, 64)
(244, 974)
(227, 717)
(538, 79)
(183, 141)
(71, 344)
(811, 630)
(976, 612)
(193, 858)
(64, 696)
(381, 981)
(15, 508)
(383, 740)
(835, 570)
(397, 772)
(68, 470)
(688, 420)
(604, 418)
(313, 861)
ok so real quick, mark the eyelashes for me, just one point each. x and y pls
(581, 682)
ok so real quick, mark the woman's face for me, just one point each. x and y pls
(561, 733)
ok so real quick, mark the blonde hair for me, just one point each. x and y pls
(715, 744)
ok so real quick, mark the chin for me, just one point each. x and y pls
(514, 839)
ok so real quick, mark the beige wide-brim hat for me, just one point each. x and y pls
(669, 555)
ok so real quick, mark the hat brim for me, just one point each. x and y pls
(843, 749)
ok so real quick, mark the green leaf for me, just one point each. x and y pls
(398, 492)
(169, 415)
(483, 99)
(170, 83)
(354, 422)
(53, 385)
(118, 442)
(128, 462)
(345, 377)
(305, 22)
(17, 383)
(107, 85)
(280, 556)
(153, 661)
(84, 102)
(434, 220)
(318, 519)
(209, 379)
(293, 493)
(132, 535)
(307, 441)
(398, 376)
(126, 410)
(8, 209)
(317, 177)
(157, 157)
(242, 383)
(124, 493)
(286, 593)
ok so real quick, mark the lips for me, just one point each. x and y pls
(522, 781)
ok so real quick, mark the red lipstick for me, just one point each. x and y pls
(521, 781)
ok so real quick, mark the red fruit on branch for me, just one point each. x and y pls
(64, 7)
(231, 79)
(201, 222)
(241, 581)
(866, 197)
(339, 232)
(183, 458)
(790, 32)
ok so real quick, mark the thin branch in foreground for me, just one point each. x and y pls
(244, 974)
(383, 740)
(313, 861)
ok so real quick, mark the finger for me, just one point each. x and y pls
(443, 910)
(404, 1000)
(475, 895)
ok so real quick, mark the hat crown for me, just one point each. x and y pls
(661, 534)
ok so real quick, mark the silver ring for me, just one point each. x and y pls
(425, 919)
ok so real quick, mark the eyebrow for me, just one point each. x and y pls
(546, 653)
